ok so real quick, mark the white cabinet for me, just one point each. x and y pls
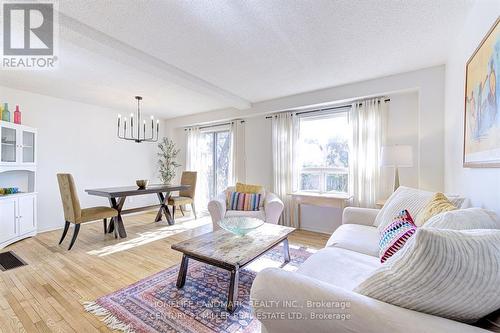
(17, 217)
(26, 214)
(17, 145)
(18, 212)
(8, 218)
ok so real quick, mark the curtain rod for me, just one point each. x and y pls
(215, 125)
(331, 108)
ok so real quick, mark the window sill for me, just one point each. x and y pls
(341, 196)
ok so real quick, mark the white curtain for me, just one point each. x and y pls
(194, 163)
(237, 171)
(285, 172)
(192, 153)
(367, 120)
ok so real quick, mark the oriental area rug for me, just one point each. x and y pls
(154, 304)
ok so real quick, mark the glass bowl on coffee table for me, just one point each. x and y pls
(240, 225)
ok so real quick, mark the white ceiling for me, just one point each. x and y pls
(192, 56)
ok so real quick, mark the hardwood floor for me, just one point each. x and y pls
(46, 295)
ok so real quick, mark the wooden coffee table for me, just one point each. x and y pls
(226, 250)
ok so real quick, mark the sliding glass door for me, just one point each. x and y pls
(215, 164)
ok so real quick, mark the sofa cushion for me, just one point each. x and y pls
(439, 203)
(395, 235)
(251, 188)
(243, 201)
(355, 237)
(340, 267)
(447, 273)
(258, 214)
(411, 199)
(464, 219)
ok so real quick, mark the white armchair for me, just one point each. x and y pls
(270, 212)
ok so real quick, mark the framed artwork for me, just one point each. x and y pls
(482, 103)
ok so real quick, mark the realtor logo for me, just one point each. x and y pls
(28, 35)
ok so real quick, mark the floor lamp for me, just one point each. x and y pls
(397, 156)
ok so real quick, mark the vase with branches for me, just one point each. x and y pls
(167, 160)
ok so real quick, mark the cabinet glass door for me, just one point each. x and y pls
(28, 147)
(9, 145)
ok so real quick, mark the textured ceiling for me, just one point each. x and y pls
(246, 51)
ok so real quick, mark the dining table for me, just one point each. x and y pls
(118, 195)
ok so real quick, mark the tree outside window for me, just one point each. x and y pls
(324, 153)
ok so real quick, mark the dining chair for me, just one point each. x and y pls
(185, 197)
(73, 213)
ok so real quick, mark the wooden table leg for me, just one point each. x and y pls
(286, 251)
(111, 225)
(232, 296)
(181, 278)
(117, 222)
(163, 198)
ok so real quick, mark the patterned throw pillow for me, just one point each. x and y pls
(395, 235)
(251, 188)
(439, 203)
(243, 201)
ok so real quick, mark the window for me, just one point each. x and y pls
(324, 153)
(215, 154)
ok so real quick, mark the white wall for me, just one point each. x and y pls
(428, 82)
(408, 123)
(482, 186)
(80, 139)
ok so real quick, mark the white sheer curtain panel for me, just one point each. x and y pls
(237, 171)
(285, 134)
(193, 163)
(367, 119)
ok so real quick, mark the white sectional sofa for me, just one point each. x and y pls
(319, 296)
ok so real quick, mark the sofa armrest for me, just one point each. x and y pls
(273, 207)
(217, 209)
(292, 302)
(356, 215)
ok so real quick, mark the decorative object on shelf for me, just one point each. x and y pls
(397, 156)
(166, 160)
(9, 190)
(17, 115)
(482, 105)
(137, 135)
(5, 112)
(142, 183)
(240, 225)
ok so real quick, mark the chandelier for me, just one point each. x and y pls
(136, 135)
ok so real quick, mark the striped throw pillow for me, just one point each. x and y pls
(243, 201)
(395, 235)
